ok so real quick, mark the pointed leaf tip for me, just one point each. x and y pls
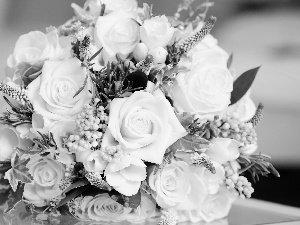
(242, 84)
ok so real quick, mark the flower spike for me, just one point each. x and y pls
(191, 41)
(258, 115)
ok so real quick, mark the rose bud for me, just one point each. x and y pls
(159, 54)
(140, 52)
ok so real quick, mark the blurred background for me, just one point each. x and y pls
(258, 32)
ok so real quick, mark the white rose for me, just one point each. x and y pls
(217, 206)
(125, 174)
(36, 46)
(204, 89)
(52, 93)
(46, 173)
(117, 32)
(144, 125)
(223, 150)
(103, 208)
(10, 139)
(208, 52)
(178, 187)
(156, 32)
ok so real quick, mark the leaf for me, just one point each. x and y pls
(19, 171)
(77, 184)
(133, 201)
(72, 194)
(4, 166)
(83, 86)
(242, 84)
(190, 143)
(229, 61)
(14, 198)
(186, 119)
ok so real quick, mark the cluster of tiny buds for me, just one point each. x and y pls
(16, 93)
(231, 127)
(112, 152)
(91, 124)
(234, 181)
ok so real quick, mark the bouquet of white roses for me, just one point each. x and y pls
(121, 115)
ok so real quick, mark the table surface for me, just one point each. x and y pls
(243, 212)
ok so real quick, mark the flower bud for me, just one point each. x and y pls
(159, 54)
(140, 52)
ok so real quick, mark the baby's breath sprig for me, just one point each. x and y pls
(257, 165)
(91, 124)
(231, 127)
(234, 181)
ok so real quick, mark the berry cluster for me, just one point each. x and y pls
(240, 183)
(232, 127)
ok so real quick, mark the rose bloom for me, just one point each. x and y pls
(223, 150)
(46, 173)
(51, 94)
(117, 32)
(102, 208)
(125, 174)
(177, 186)
(144, 125)
(204, 89)
(156, 32)
(10, 139)
(214, 207)
(36, 46)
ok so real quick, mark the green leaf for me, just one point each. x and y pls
(83, 86)
(229, 61)
(19, 170)
(14, 198)
(72, 194)
(133, 201)
(186, 119)
(4, 166)
(190, 143)
(77, 184)
(242, 84)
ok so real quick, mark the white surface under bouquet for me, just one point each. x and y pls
(122, 115)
